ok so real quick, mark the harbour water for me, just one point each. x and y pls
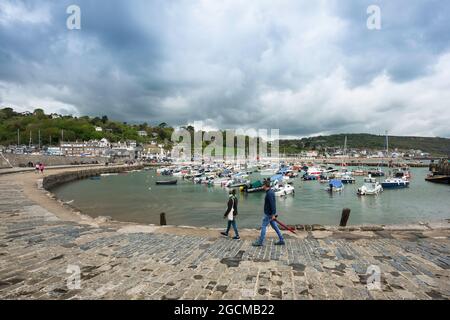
(134, 197)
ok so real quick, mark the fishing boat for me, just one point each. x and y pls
(347, 179)
(402, 173)
(370, 187)
(236, 183)
(255, 186)
(283, 190)
(168, 182)
(376, 172)
(324, 178)
(395, 183)
(308, 177)
(314, 171)
(358, 172)
(335, 186)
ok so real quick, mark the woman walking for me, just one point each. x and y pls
(231, 214)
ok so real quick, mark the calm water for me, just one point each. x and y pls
(134, 197)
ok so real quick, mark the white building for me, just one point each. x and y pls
(91, 148)
(142, 133)
(98, 129)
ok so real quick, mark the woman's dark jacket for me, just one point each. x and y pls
(230, 205)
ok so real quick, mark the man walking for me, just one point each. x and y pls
(270, 214)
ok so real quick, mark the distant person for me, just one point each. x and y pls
(270, 214)
(41, 168)
(231, 214)
(37, 167)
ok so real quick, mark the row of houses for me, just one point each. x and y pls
(129, 149)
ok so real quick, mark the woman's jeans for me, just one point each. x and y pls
(232, 223)
(265, 222)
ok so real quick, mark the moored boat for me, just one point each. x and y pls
(167, 182)
(255, 186)
(335, 186)
(376, 172)
(370, 187)
(283, 190)
(395, 183)
(347, 179)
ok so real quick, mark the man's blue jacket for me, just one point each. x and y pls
(270, 207)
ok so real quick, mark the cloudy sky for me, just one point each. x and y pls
(305, 67)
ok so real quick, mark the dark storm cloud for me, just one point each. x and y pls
(304, 67)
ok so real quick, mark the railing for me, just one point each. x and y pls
(4, 163)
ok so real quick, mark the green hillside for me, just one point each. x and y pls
(435, 146)
(55, 127)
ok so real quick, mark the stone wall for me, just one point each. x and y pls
(65, 177)
(21, 160)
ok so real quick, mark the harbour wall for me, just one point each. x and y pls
(22, 160)
(54, 180)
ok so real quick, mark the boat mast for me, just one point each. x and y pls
(387, 144)
(345, 152)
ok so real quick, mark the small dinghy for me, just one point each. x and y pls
(169, 182)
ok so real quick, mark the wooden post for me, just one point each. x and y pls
(344, 217)
(162, 219)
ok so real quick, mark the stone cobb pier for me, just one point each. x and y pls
(42, 242)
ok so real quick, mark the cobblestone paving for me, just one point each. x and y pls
(36, 249)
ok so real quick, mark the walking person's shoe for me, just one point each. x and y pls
(257, 244)
(280, 243)
(224, 234)
(236, 238)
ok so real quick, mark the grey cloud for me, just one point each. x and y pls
(299, 66)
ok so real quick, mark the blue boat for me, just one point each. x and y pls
(395, 183)
(335, 186)
(277, 177)
(308, 177)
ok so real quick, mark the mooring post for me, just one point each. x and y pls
(162, 219)
(344, 217)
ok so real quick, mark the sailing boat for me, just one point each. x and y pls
(378, 172)
(344, 171)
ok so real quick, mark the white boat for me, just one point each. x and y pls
(220, 181)
(268, 172)
(370, 187)
(284, 190)
(109, 174)
(314, 171)
(347, 179)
